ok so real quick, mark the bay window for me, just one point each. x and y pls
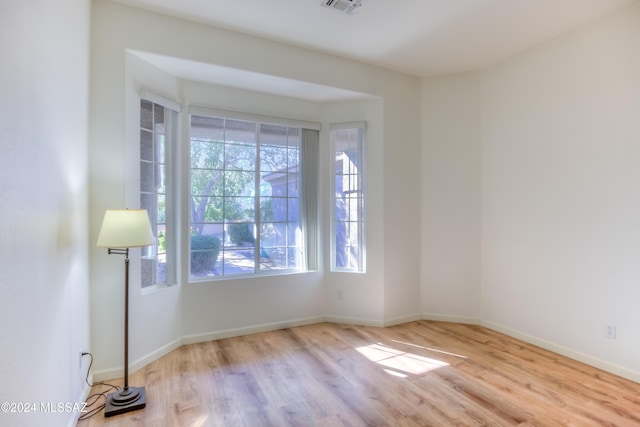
(251, 184)
(251, 199)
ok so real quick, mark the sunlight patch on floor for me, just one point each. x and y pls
(201, 421)
(430, 349)
(399, 360)
(395, 373)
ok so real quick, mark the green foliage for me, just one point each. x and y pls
(241, 233)
(162, 241)
(204, 252)
(224, 160)
(266, 209)
(219, 171)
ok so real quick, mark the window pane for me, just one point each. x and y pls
(161, 217)
(213, 208)
(146, 145)
(146, 177)
(293, 154)
(292, 212)
(292, 234)
(161, 265)
(278, 209)
(277, 259)
(239, 261)
(341, 210)
(206, 154)
(239, 183)
(293, 184)
(147, 272)
(228, 182)
(146, 114)
(273, 158)
(239, 131)
(158, 118)
(273, 134)
(204, 181)
(240, 157)
(160, 148)
(205, 250)
(266, 209)
(348, 215)
(155, 121)
(147, 201)
(207, 128)
(160, 178)
(239, 209)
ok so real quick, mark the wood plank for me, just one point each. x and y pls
(421, 373)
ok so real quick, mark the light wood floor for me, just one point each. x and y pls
(417, 374)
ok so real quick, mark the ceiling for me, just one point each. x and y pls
(247, 80)
(417, 37)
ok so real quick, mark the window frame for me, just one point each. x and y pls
(258, 120)
(171, 138)
(360, 221)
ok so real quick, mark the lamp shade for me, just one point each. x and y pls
(125, 228)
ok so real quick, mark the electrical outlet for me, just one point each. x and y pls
(610, 332)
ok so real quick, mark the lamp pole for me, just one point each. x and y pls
(123, 229)
(129, 398)
(126, 320)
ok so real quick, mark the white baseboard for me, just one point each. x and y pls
(372, 322)
(453, 319)
(564, 351)
(355, 321)
(107, 374)
(236, 332)
(402, 319)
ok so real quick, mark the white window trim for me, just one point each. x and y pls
(332, 228)
(173, 170)
(161, 100)
(234, 115)
(348, 125)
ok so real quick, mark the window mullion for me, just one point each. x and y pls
(256, 201)
(225, 225)
(169, 192)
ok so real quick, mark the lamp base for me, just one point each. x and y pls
(126, 400)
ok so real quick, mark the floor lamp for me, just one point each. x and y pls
(123, 229)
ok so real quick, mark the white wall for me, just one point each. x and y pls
(561, 200)
(44, 308)
(547, 141)
(402, 189)
(192, 312)
(451, 198)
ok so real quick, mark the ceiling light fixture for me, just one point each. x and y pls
(345, 6)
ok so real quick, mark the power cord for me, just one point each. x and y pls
(95, 399)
